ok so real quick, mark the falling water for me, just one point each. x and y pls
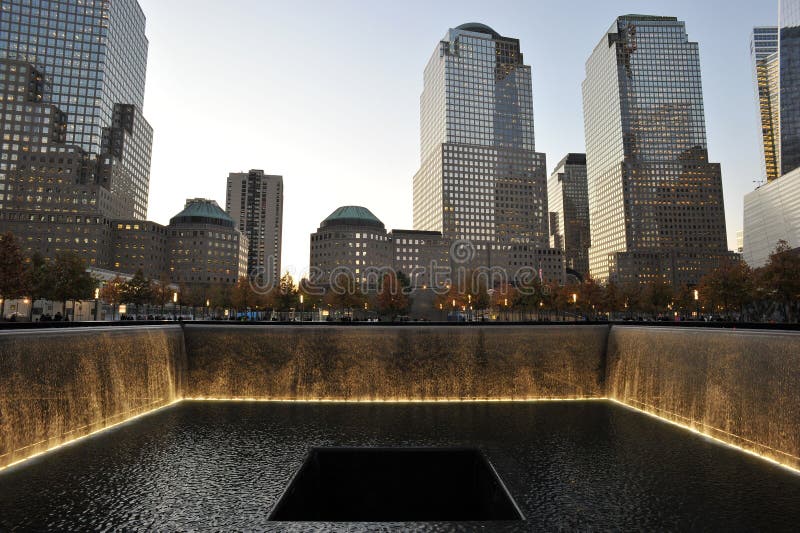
(395, 363)
(58, 385)
(739, 386)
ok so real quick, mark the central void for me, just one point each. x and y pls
(210, 466)
(396, 485)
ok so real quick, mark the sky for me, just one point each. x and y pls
(326, 94)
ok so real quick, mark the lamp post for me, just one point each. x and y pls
(575, 303)
(301, 308)
(96, 303)
(208, 306)
(696, 294)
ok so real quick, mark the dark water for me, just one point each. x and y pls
(569, 465)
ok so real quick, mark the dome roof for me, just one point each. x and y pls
(479, 28)
(352, 215)
(200, 211)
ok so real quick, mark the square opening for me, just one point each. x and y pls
(395, 485)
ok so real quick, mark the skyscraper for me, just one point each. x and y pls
(764, 52)
(568, 201)
(93, 54)
(789, 50)
(655, 202)
(255, 201)
(480, 179)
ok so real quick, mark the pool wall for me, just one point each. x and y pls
(396, 363)
(59, 385)
(739, 386)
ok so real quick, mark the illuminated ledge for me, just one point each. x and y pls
(82, 437)
(716, 439)
(432, 401)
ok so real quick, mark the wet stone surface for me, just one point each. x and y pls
(568, 465)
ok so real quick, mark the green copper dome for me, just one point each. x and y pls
(352, 215)
(201, 211)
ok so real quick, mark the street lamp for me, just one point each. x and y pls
(208, 310)
(575, 303)
(301, 308)
(696, 303)
(96, 303)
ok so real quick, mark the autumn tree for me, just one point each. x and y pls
(727, 288)
(780, 279)
(14, 279)
(137, 291)
(391, 299)
(111, 293)
(67, 279)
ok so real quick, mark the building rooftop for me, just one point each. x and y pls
(202, 211)
(479, 28)
(352, 215)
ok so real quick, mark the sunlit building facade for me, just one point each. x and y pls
(568, 201)
(480, 179)
(655, 201)
(766, 64)
(255, 202)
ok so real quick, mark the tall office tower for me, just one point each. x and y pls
(94, 55)
(480, 178)
(255, 201)
(789, 50)
(568, 200)
(655, 202)
(48, 198)
(764, 52)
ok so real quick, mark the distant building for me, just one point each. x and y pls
(655, 201)
(205, 247)
(771, 214)
(764, 52)
(480, 181)
(423, 256)
(255, 202)
(140, 245)
(568, 201)
(350, 241)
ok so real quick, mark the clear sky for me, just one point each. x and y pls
(327, 94)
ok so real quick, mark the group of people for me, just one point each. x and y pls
(55, 318)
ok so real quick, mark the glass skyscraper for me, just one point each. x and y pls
(93, 54)
(480, 178)
(568, 200)
(789, 43)
(764, 52)
(655, 202)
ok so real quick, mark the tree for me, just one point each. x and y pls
(780, 279)
(590, 297)
(38, 279)
(285, 296)
(14, 282)
(69, 280)
(111, 293)
(727, 288)
(391, 300)
(137, 291)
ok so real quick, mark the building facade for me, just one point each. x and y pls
(655, 201)
(766, 65)
(480, 180)
(423, 256)
(255, 202)
(568, 201)
(789, 44)
(93, 54)
(351, 241)
(771, 214)
(205, 246)
(140, 245)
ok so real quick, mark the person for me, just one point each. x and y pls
(57, 317)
